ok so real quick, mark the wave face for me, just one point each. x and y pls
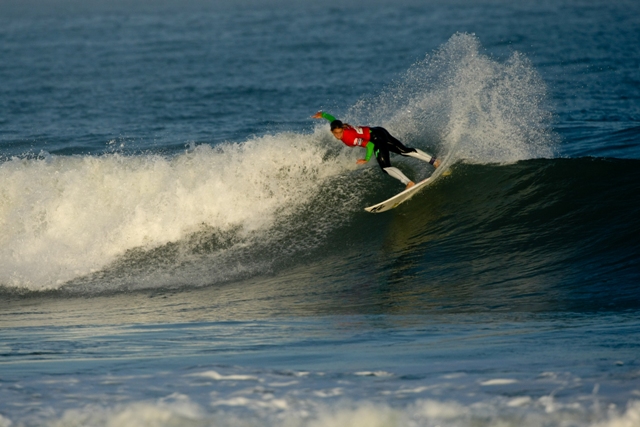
(541, 234)
(509, 212)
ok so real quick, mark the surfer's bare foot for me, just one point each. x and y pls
(410, 184)
(436, 163)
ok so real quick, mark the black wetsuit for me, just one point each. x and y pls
(384, 142)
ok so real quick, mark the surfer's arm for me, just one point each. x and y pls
(370, 147)
(323, 115)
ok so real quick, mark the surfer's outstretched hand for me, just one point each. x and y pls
(436, 163)
(361, 161)
(317, 115)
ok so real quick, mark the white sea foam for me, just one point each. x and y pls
(498, 381)
(213, 375)
(65, 217)
(241, 397)
(266, 402)
(630, 418)
(363, 416)
(232, 412)
(435, 410)
(519, 401)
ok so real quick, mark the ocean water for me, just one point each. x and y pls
(182, 245)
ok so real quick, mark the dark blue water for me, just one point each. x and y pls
(181, 244)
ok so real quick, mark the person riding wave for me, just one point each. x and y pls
(379, 142)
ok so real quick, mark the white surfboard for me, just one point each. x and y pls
(406, 194)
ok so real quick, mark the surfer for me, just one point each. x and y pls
(378, 141)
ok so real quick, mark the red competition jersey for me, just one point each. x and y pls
(356, 136)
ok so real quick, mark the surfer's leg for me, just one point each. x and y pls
(382, 136)
(421, 155)
(397, 174)
(394, 145)
(382, 156)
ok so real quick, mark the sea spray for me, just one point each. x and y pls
(461, 101)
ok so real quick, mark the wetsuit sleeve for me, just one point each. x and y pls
(370, 148)
(328, 116)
